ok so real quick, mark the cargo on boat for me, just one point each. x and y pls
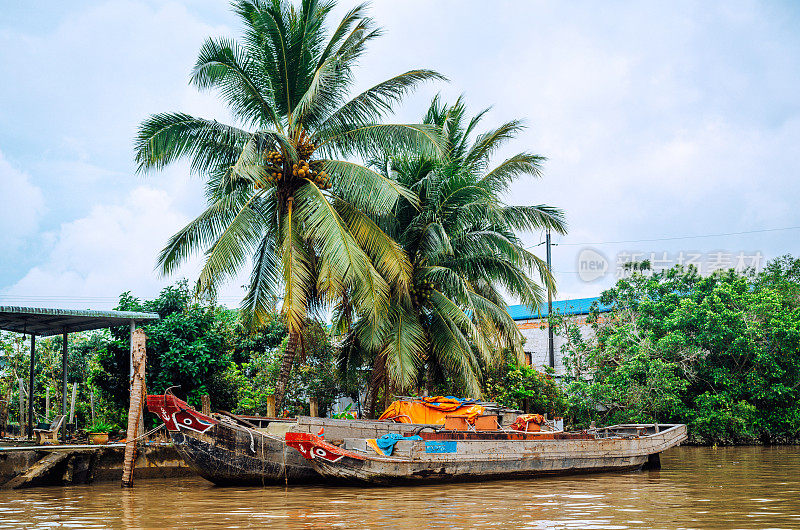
(470, 455)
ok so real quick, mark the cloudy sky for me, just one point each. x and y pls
(659, 120)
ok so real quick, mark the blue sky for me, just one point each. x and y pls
(659, 120)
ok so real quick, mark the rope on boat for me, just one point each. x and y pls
(148, 433)
(252, 441)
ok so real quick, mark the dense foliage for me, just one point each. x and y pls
(185, 347)
(525, 388)
(720, 353)
(195, 348)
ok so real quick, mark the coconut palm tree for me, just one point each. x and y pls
(466, 256)
(272, 178)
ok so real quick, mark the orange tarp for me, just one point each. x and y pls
(430, 410)
(522, 421)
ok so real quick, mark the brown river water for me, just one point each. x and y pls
(744, 487)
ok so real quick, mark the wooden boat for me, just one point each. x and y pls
(463, 456)
(235, 450)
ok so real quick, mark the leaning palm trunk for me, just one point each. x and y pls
(286, 368)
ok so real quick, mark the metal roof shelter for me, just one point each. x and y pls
(44, 322)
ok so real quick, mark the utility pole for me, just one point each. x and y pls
(551, 355)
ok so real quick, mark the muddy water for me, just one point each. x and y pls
(697, 488)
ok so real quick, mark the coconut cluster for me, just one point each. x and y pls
(421, 293)
(312, 171)
(278, 168)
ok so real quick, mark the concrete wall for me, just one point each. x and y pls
(92, 464)
(535, 332)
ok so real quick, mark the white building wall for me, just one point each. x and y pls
(535, 333)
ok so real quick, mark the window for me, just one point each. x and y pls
(528, 358)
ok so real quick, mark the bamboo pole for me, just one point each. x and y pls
(72, 402)
(138, 359)
(91, 402)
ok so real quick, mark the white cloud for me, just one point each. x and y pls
(658, 120)
(111, 250)
(21, 207)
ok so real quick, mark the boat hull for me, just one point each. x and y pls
(458, 459)
(227, 453)
(265, 461)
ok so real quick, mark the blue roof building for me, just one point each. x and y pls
(533, 326)
(578, 306)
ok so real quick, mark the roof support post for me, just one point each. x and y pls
(30, 386)
(64, 386)
(130, 357)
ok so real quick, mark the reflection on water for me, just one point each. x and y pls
(697, 488)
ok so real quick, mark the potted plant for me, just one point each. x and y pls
(98, 432)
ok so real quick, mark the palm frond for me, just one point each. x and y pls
(164, 138)
(201, 231)
(263, 292)
(374, 103)
(499, 178)
(368, 190)
(489, 142)
(368, 140)
(405, 347)
(226, 65)
(535, 217)
(232, 248)
(387, 255)
(297, 273)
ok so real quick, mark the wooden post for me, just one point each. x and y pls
(271, 406)
(313, 406)
(31, 385)
(130, 380)
(64, 385)
(47, 404)
(72, 402)
(139, 359)
(206, 399)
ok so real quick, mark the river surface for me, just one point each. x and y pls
(745, 487)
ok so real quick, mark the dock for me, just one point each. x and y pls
(25, 466)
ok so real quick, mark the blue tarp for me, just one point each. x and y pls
(387, 441)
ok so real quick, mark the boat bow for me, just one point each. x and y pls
(175, 412)
(313, 447)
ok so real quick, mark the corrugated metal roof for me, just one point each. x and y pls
(578, 306)
(44, 321)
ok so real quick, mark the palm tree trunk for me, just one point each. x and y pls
(376, 381)
(387, 394)
(286, 369)
(429, 376)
